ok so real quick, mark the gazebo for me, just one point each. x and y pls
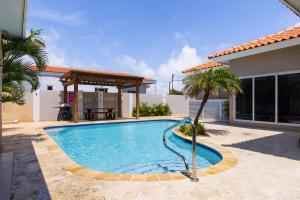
(91, 77)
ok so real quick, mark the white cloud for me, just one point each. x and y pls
(56, 56)
(187, 57)
(139, 67)
(73, 19)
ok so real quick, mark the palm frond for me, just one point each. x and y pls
(19, 55)
(211, 81)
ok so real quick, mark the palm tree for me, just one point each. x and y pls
(19, 55)
(210, 82)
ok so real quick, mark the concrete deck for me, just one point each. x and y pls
(268, 168)
(6, 169)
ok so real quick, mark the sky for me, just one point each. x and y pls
(152, 38)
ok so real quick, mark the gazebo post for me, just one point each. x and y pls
(119, 102)
(65, 94)
(137, 101)
(75, 114)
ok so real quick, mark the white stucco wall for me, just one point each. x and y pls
(57, 86)
(178, 104)
(49, 100)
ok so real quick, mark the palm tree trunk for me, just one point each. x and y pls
(204, 101)
(1, 68)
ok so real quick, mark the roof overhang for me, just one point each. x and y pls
(13, 17)
(85, 77)
(294, 5)
(271, 47)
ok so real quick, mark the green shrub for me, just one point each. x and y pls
(154, 110)
(186, 129)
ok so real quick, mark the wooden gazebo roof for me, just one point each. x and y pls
(92, 77)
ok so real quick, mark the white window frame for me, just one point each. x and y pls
(276, 74)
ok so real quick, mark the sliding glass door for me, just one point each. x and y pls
(244, 101)
(289, 98)
(264, 102)
(258, 100)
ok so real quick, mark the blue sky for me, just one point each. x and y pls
(150, 37)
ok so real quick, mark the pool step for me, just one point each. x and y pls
(153, 167)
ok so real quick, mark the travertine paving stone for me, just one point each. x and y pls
(268, 167)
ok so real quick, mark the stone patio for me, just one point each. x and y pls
(268, 168)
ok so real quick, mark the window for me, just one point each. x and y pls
(289, 98)
(49, 87)
(244, 101)
(101, 90)
(265, 99)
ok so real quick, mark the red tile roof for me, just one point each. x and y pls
(287, 34)
(63, 70)
(53, 69)
(202, 66)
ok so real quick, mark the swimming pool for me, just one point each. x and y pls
(129, 147)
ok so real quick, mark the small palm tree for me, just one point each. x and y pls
(210, 82)
(19, 55)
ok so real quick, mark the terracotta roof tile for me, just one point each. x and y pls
(287, 34)
(63, 70)
(202, 66)
(53, 69)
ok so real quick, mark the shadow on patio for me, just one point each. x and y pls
(28, 181)
(282, 145)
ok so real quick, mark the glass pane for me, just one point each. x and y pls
(244, 101)
(289, 98)
(265, 99)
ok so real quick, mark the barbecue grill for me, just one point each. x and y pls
(65, 112)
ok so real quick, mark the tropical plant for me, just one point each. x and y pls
(175, 92)
(210, 82)
(187, 129)
(154, 110)
(19, 56)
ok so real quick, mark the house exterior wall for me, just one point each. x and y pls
(278, 61)
(13, 112)
(282, 60)
(57, 86)
(49, 101)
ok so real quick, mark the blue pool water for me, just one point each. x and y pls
(130, 147)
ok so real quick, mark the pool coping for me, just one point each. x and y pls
(63, 161)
